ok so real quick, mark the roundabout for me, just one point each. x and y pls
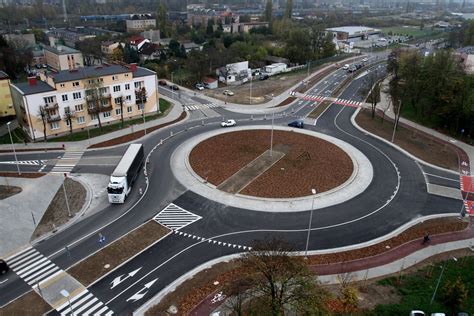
(271, 188)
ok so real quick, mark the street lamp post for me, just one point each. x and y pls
(271, 136)
(143, 93)
(397, 118)
(439, 280)
(13, 148)
(313, 192)
(250, 97)
(67, 295)
(65, 196)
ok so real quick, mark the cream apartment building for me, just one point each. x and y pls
(84, 98)
(61, 57)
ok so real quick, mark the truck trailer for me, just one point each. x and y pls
(125, 173)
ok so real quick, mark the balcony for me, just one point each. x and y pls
(102, 108)
(140, 96)
(53, 118)
(51, 106)
(95, 97)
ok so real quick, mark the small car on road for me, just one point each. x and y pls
(174, 87)
(162, 83)
(228, 92)
(365, 60)
(199, 86)
(297, 124)
(228, 123)
(3, 267)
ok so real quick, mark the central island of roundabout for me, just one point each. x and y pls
(273, 170)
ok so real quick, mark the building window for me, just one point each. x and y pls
(139, 84)
(106, 114)
(102, 90)
(76, 95)
(62, 85)
(79, 107)
(64, 97)
(127, 86)
(118, 111)
(129, 109)
(81, 120)
(48, 100)
(116, 88)
(75, 84)
(128, 98)
(94, 117)
(118, 100)
(104, 102)
(54, 125)
(114, 78)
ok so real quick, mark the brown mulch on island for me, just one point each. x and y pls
(30, 175)
(8, 190)
(311, 162)
(135, 135)
(29, 304)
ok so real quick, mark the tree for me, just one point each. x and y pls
(268, 11)
(95, 96)
(454, 294)
(43, 117)
(68, 117)
(162, 19)
(120, 98)
(118, 54)
(371, 91)
(282, 282)
(289, 9)
(210, 27)
(297, 47)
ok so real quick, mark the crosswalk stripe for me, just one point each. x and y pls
(93, 308)
(45, 276)
(83, 307)
(27, 258)
(101, 310)
(31, 265)
(40, 272)
(35, 267)
(19, 255)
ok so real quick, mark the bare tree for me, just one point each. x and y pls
(121, 110)
(371, 91)
(95, 95)
(68, 117)
(43, 117)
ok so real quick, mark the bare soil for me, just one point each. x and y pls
(29, 304)
(7, 190)
(116, 253)
(57, 214)
(310, 163)
(135, 135)
(193, 291)
(416, 143)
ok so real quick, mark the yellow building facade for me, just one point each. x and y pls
(6, 103)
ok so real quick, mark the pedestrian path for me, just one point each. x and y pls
(68, 161)
(84, 303)
(32, 266)
(321, 98)
(175, 217)
(198, 106)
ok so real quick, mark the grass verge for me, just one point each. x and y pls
(57, 213)
(116, 253)
(319, 109)
(93, 132)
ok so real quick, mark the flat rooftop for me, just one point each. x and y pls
(353, 30)
(61, 50)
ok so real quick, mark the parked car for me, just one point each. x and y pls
(358, 66)
(417, 313)
(228, 123)
(345, 67)
(438, 314)
(3, 267)
(297, 124)
(199, 86)
(263, 77)
(162, 83)
(174, 87)
(228, 92)
(365, 60)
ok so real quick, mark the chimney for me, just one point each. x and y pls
(133, 67)
(52, 41)
(32, 81)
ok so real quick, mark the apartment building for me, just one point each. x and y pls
(6, 103)
(61, 57)
(84, 98)
(140, 24)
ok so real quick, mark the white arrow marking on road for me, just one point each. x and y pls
(119, 279)
(137, 296)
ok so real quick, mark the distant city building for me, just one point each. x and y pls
(61, 57)
(21, 39)
(466, 57)
(80, 98)
(352, 32)
(140, 22)
(6, 103)
(242, 27)
(108, 47)
(152, 35)
(234, 74)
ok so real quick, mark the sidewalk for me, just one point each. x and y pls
(173, 114)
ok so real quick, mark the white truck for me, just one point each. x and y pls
(125, 173)
(274, 69)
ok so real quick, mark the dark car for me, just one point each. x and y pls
(3, 267)
(297, 124)
(174, 87)
(263, 77)
(162, 83)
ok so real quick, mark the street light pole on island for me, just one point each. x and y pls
(313, 192)
(13, 148)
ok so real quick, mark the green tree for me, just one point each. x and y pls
(289, 9)
(268, 13)
(297, 47)
(283, 282)
(210, 27)
(454, 294)
(162, 18)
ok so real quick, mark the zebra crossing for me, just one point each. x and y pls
(321, 98)
(175, 217)
(194, 107)
(84, 303)
(33, 267)
(26, 162)
(67, 162)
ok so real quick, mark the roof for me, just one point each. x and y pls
(100, 71)
(149, 48)
(353, 30)
(127, 160)
(27, 89)
(136, 39)
(209, 80)
(61, 50)
(190, 45)
(3, 75)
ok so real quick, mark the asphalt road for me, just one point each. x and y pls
(396, 195)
